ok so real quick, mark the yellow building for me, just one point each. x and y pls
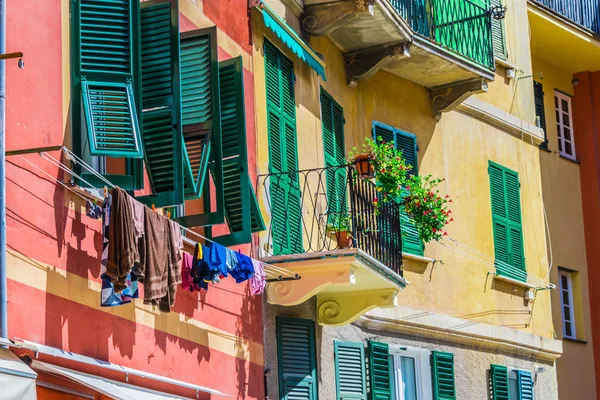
(450, 82)
(561, 46)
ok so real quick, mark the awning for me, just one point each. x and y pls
(113, 389)
(17, 380)
(291, 39)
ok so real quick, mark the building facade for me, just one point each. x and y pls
(467, 317)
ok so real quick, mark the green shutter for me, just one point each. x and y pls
(350, 370)
(296, 359)
(498, 34)
(241, 206)
(379, 371)
(540, 109)
(161, 111)
(525, 383)
(442, 373)
(507, 225)
(332, 116)
(499, 378)
(283, 153)
(105, 112)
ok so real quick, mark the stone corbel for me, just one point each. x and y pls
(447, 97)
(343, 309)
(291, 293)
(361, 64)
(321, 19)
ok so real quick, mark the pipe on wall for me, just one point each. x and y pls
(3, 278)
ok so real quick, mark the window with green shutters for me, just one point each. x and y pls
(407, 143)
(507, 224)
(540, 111)
(442, 374)
(296, 359)
(379, 371)
(332, 118)
(510, 383)
(105, 102)
(350, 370)
(498, 34)
(284, 183)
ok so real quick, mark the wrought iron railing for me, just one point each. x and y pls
(462, 26)
(305, 217)
(585, 13)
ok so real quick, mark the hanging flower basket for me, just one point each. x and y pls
(363, 166)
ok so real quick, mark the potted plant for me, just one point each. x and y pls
(340, 228)
(363, 161)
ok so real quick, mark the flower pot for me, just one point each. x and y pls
(363, 166)
(344, 239)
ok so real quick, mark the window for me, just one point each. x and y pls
(540, 110)
(498, 34)
(350, 370)
(510, 383)
(407, 143)
(507, 225)
(296, 359)
(566, 303)
(411, 373)
(564, 125)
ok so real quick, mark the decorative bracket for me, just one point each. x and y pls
(343, 309)
(361, 64)
(447, 97)
(321, 19)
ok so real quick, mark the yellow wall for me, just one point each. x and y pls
(562, 197)
(457, 148)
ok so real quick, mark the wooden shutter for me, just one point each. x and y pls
(241, 206)
(332, 117)
(499, 378)
(161, 111)
(507, 225)
(498, 34)
(379, 371)
(105, 106)
(296, 359)
(442, 373)
(540, 110)
(283, 153)
(525, 383)
(350, 370)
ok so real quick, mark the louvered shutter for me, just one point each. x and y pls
(540, 110)
(498, 34)
(283, 153)
(161, 111)
(525, 383)
(499, 378)
(500, 224)
(241, 207)
(379, 371)
(296, 359)
(513, 203)
(442, 371)
(350, 370)
(332, 116)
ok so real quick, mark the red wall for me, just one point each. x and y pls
(44, 229)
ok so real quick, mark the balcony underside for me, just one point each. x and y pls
(346, 283)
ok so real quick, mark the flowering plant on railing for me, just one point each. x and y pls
(427, 208)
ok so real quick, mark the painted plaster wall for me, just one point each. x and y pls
(458, 149)
(54, 248)
(563, 199)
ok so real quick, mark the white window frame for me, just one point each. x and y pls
(422, 371)
(512, 375)
(571, 317)
(560, 125)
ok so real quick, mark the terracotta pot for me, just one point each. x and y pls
(343, 239)
(363, 166)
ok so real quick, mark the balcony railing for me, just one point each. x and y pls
(585, 13)
(307, 218)
(458, 25)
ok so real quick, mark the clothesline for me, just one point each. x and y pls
(273, 272)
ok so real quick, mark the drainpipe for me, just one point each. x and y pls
(3, 283)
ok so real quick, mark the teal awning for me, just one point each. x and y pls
(291, 39)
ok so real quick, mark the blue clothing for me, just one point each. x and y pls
(244, 269)
(217, 259)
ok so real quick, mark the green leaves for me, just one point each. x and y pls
(428, 209)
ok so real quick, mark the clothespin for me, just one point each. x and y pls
(153, 208)
(169, 214)
(105, 191)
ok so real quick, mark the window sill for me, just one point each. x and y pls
(573, 160)
(547, 150)
(414, 257)
(514, 281)
(575, 340)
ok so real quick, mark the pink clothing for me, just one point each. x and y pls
(259, 280)
(186, 273)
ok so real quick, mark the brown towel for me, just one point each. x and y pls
(122, 247)
(161, 271)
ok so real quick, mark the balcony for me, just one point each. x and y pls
(349, 256)
(443, 45)
(585, 13)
